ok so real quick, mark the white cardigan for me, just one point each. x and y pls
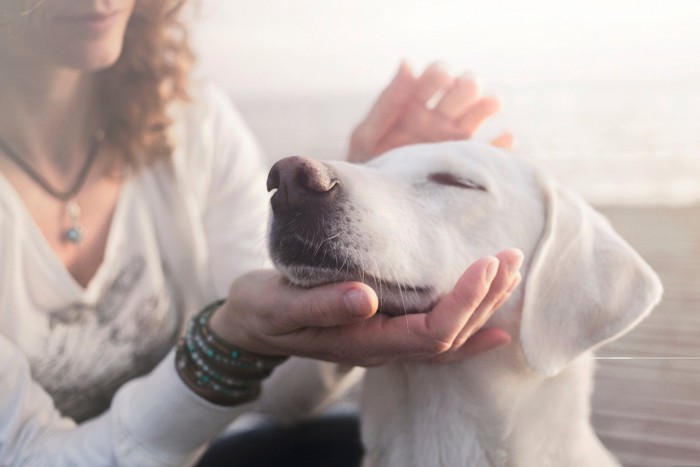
(181, 232)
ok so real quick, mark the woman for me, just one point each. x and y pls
(129, 201)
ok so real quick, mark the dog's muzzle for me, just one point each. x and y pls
(313, 241)
(308, 214)
(304, 186)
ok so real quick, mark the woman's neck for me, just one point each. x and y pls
(46, 113)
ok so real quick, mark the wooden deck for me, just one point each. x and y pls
(647, 409)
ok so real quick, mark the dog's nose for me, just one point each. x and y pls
(301, 183)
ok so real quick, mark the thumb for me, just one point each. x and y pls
(329, 305)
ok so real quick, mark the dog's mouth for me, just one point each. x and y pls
(395, 298)
(306, 264)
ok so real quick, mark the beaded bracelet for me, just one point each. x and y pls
(216, 370)
(211, 390)
(200, 336)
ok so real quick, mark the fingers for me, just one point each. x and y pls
(326, 306)
(419, 125)
(457, 99)
(472, 339)
(434, 332)
(384, 114)
(337, 322)
(262, 305)
(458, 102)
(404, 112)
(382, 339)
(458, 113)
(482, 341)
(447, 319)
(441, 333)
(514, 283)
(505, 281)
(505, 141)
(477, 113)
(434, 79)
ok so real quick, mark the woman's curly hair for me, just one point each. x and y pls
(149, 75)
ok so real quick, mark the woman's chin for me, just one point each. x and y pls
(80, 41)
(92, 57)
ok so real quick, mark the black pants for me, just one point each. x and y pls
(322, 442)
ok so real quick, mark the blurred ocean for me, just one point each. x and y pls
(605, 92)
(617, 144)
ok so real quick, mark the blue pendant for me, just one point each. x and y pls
(74, 234)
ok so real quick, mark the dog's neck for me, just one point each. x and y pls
(482, 412)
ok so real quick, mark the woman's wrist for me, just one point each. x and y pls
(218, 371)
(228, 327)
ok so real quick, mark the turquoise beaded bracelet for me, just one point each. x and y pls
(216, 370)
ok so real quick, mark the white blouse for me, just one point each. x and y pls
(181, 232)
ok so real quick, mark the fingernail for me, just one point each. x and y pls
(517, 277)
(515, 265)
(491, 269)
(403, 70)
(439, 67)
(356, 302)
(468, 76)
(503, 338)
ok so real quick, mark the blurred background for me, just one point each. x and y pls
(605, 92)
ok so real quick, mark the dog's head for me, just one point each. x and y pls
(409, 222)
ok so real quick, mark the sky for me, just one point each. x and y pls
(341, 46)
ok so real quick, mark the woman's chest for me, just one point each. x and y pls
(85, 342)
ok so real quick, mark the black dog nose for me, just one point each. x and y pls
(301, 183)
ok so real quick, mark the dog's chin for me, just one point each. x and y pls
(394, 299)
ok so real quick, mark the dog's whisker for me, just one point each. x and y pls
(380, 292)
(328, 239)
(402, 295)
(362, 270)
(345, 263)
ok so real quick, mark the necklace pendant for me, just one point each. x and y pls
(74, 233)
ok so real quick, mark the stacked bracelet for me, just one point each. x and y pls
(216, 370)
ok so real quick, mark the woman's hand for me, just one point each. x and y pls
(340, 323)
(405, 113)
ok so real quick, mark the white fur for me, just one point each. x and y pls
(523, 404)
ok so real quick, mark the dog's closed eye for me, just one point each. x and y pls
(449, 179)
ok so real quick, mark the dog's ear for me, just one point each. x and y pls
(585, 286)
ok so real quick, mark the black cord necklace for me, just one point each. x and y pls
(75, 231)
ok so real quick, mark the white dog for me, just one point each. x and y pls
(408, 223)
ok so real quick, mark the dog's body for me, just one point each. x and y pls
(487, 412)
(408, 224)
